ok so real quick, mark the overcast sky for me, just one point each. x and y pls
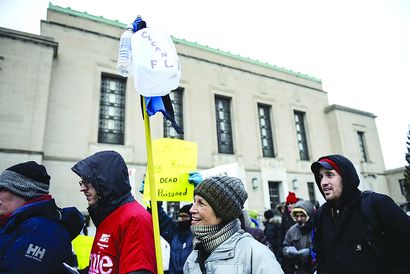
(360, 49)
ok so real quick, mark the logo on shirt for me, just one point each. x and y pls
(100, 264)
(104, 238)
(35, 252)
(103, 242)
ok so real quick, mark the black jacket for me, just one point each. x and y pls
(287, 222)
(272, 232)
(342, 238)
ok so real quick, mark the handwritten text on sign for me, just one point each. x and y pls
(173, 160)
(157, 49)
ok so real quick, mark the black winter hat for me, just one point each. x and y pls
(268, 214)
(225, 194)
(28, 180)
(185, 209)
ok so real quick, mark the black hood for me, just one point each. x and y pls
(108, 173)
(349, 175)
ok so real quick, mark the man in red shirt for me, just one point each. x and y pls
(124, 240)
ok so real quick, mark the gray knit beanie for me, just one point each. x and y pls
(225, 194)
(28, 180)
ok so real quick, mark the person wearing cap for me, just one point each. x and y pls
(343, 241)
(35, 234)
(287, 220)
(297, 242)
(286, 223)
(220, 245)
(178, 235)
(124, 240)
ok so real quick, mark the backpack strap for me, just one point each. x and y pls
(366, 204)
(374, 229)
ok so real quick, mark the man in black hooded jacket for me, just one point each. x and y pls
(343, 240)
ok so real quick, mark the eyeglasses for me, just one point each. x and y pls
(83, 183)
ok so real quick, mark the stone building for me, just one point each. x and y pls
(61, 100)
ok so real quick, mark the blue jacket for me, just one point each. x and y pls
(37, 238)
(179, 240)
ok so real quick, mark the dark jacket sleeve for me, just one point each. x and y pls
(396, 227)
(167, 226)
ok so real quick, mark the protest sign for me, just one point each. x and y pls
(173, 160)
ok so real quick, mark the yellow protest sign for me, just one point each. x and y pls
(173, 160)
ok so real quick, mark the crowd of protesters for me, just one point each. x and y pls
(352, 232)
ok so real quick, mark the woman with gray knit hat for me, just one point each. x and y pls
(220, 245)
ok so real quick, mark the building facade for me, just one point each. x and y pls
(62, 100)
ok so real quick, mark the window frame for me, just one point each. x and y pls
(301, 136)
(223, 120)
(274, 193)
(311, 191)
(111, 116)
(364, 157)
(177, 100)
(268, 150)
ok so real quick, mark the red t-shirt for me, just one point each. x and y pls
(124, 242)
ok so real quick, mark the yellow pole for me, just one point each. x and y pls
(154, 206)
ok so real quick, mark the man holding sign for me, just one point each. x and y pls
(174, 159)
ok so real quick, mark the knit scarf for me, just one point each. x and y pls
(210, 237)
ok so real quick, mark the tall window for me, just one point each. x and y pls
(173, 210)
(176, 100)
(266, 130)
(112, 110)
(311, 190)
(274, 196)
(362, 147)
(301, 135)
(223, 124)
(403, 188)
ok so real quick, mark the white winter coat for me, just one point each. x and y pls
(240, 254)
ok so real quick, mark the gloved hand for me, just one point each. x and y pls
(195, 178)
(289, 251)
(141, 189)
(304, 253)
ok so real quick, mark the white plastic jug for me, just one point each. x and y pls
(156, 67)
